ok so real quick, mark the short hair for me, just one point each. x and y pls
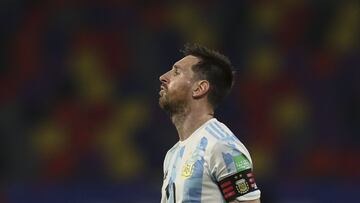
(213, 67)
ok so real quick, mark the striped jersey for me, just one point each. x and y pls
(202, 168)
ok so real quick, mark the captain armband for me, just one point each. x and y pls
(237, 185)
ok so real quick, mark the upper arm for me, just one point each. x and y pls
(231, 167)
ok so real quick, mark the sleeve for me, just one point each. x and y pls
(231, 167)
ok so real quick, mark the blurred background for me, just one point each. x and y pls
(79, 115)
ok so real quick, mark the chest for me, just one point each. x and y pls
(187, 176)
(187, 162)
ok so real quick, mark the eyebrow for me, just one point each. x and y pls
(176, 67)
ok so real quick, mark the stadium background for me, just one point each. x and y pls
(79, 116)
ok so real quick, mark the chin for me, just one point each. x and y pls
(162, 103)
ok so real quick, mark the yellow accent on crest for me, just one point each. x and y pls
(187, 170)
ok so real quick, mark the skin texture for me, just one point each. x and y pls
(185, 98)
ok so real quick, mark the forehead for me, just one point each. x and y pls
(187, 62)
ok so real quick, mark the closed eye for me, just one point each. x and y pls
(176, 71)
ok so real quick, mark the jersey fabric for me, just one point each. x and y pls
(194, 167)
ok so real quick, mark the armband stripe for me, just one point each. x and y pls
(229, 195)
(228, 189)
(225, 184)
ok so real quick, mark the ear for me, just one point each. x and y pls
(200, 88)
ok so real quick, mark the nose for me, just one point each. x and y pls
(163, 78)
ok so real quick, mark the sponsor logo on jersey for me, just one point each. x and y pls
(241, 162)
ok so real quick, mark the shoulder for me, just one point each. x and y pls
(171, 151)
(169, 154)
(222, 138)
(219, 132)
(223, 143)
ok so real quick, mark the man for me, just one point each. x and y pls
(208, 164)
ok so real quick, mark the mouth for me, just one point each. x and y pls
(162, 90)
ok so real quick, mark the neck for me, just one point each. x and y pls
(190, 120)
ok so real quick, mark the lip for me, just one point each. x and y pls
(161, 92)
(162, 89)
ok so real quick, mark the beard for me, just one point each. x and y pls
(171, 106)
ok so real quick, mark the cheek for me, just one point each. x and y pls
(182, 88)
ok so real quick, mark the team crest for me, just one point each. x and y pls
(242, 186)
(187, 169)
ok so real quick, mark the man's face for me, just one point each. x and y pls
(176, 85)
